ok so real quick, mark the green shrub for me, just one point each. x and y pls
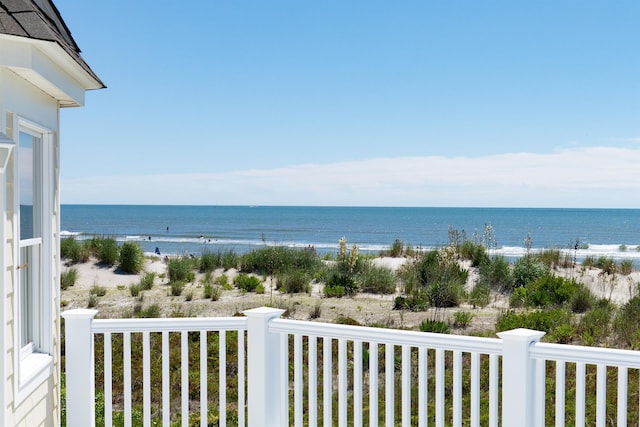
(340, 284)
(625, 267)
(216, 292)
(594, 327)
(475, 252)
(550, 291)
(462, 319)
(539, 320)
(188, 296)
(550, 258)
(434, 326)
(246, 282)
(146, 282)
(98, 291)
(152, 311)
(135, 289)
(345, 320)
(209, 261)
(279, 259)
(93, 301)
(526, 270)
(72, 250)
(68, 278)
(496, 274)
(480, 295)
(376, 280)
(222, 280)
(178, 269)
(627, 324)
(606, 264)
(397, 250)
(582, 299)
(293, 282)
(207, 290)
(414, 302)
(131, 258)
(177, 286)
(518, 297)
(260, 289)
(108, 251)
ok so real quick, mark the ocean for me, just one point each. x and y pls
(176, 230)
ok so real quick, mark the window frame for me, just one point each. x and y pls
(33, 360)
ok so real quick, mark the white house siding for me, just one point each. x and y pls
(41, 408)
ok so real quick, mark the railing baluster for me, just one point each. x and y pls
(284, 378)
(313, 381)
(580, 393)
(440, 387)
(342, 382)
(373, 383)
(406, 386)
(539, 393)
(297, 380)
(423, 392)
(108, 380)
(357, 383)
(475, 389)
(389, 397)
(126, 360)
(601, 395)
(184, 367)
(326, 381)
(204, 386)
(457, 388)
(222, 377)
(494, 372)
(622, 396)
(166, 390)
(560, 392)
(146, 379)
(241, 380)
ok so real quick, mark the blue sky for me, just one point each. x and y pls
(412, 103)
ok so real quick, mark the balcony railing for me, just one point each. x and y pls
(261, 370)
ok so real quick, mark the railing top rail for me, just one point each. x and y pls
(588, 355)
(169, 324)
(388, 336)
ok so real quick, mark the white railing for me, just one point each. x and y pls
(310, 373)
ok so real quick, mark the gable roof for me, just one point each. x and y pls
(40, 20)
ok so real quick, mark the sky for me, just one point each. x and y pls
(356, 103)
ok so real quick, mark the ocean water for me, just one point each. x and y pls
(193, 229)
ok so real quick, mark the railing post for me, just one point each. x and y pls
(518, 385)
(263, 361)
(80, 401)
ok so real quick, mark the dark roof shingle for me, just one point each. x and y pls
(40, 20)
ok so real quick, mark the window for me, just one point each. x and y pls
(34, 291)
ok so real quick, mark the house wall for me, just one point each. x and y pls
(41, 408)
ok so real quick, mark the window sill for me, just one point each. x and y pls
(34, 369)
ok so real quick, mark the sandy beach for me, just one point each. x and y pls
(366, 309)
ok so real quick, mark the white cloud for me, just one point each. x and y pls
(578, 177)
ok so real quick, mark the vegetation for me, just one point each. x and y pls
(68, 278)
(131, 258)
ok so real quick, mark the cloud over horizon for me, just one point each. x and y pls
(594, 177)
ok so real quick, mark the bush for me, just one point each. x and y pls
(606, 264)
(177, 286)
(462, 319)
(376, 280)
(625, 267)
(480, 295)
(222, 280)
(73, 251)
(178, 269)
(131, 258)
(209, 261)
(279, 259)
(68, 278)
(594, 327)
(98, 291)
(146, 282)
(434, 326)
(627, 323)
(496, 274)
(550, 258)
(527, 270)
(340, 284)
(152, 311)
(582, 299)
(246, 283)
(414, 302)
(397, 250)
(475, 252)
(135, 289)
(543, 320)
(550, 291)
(294, 282)
(108, 251)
